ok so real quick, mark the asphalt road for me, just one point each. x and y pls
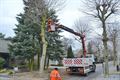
(65, 76)
(97, 75)
(4, 77)
(74, 76)
(90, 76)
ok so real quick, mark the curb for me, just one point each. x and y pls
(112, 73)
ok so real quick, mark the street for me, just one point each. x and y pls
(98, 75)
(90, 76)
(4, 77)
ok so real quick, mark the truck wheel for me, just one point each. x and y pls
(94, 67)
(86, 74)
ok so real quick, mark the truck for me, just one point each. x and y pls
(82, 65)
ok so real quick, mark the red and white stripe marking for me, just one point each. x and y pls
(68, 61)
(77, 61)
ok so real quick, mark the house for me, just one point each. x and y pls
(4, 52)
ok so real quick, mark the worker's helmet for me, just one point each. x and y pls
(56, 68)
(51, 25)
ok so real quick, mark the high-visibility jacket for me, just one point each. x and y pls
(54, 75)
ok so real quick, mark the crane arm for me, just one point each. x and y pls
(52, 27)
(69, 30)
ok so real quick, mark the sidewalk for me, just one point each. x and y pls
(110, 77)
(113, 74)
(30, 76)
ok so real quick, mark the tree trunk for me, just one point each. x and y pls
(32, 64)
(32, 58)
(45, 62)
(29, 61)
(114, 51)
(105, 39)
(106, 59)
(44, 46)
(39, 53)
(48, 62)
(38, 59)
(83, 46)
(98, 57)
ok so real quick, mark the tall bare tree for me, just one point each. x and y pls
(37, 11)
(113, 33)
(98, 48)
(103, 9)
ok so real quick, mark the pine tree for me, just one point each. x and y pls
(30, 33)
(2, 36)
(70, 53)
(24, 44)
(37, 11)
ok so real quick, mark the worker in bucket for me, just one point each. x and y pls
(54, 75)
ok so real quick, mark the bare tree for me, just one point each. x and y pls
(67, 43)
(37, 11)
(97, 43)
(103, 9)
(113, 33)
(90, 47)
(83, 29)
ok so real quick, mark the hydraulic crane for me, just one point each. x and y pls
(52, 26)
(75, 65)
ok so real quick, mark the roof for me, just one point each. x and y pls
(4, 46)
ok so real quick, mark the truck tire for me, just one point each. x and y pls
(94, 67)
(86, 74)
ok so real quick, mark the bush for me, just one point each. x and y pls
(56, 64)
(9, 72)
(3, 70)
(2, 62)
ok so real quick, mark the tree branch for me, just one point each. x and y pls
(99, 14)
(108, 15)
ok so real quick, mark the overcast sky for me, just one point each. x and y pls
(10, 8)
(8, 12)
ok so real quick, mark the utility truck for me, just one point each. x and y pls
(82, 65)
